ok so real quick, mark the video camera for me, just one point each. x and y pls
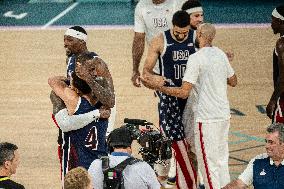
(155, 148)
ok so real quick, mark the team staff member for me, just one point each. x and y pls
(209, 70)
(9, 161)
(265, 170)
(139, 175)
(275, 107)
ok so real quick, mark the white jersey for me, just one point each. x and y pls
(153, 19)
(208, 70)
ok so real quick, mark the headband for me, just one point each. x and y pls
(76, 34)
(277, 15)
(194, 9)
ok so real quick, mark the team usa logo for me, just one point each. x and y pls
(180, 55)
(160, 22)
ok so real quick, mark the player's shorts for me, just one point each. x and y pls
(279, 110)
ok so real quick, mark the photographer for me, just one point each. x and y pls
(137, 175)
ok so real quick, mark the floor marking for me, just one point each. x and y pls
(60, 15)
(48, 26)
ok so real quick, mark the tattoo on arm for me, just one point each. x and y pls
(57, 103)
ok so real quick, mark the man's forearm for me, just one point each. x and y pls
(137, 52)
(174, 91)
(103, 90)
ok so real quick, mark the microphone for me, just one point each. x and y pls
(137, 121)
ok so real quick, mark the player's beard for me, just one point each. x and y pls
(179, 39)
(68, 52)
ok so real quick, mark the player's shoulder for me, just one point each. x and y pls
(260, 157)
(143, 4)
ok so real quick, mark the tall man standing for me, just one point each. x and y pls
(210, 72)
(151, 18)
(275, 107)
(172, 48)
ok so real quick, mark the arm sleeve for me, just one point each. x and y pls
(74, 122)
(192, 70)
(139, 23)
(247, 175)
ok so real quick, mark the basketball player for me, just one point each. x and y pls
(151, 18)
(172, 48)
(275, 107)
(84, 145)
(209, 70)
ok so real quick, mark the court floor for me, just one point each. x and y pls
(28, 57)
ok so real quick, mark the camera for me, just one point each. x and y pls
(155, 148)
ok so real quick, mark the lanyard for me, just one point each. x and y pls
(4, 178)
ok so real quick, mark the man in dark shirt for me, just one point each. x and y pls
(9, 161)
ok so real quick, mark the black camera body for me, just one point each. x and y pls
(155, 148)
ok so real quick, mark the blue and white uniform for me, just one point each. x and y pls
(172, 63)
(262, 173)
(84, 145)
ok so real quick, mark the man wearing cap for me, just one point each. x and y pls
(139, 175)
(265, 171)
(275, 107)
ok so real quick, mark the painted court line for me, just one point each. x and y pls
(49, 25)
(239, 134)
(60, 15)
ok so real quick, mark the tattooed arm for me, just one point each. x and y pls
(95, 72)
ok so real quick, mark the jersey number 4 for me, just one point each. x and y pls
(91, 139)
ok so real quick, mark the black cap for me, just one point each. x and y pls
(120, 137)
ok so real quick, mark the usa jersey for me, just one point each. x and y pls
(84, 145)
(173, 60)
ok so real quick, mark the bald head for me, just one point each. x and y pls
(206, 33)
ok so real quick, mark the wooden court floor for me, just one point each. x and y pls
(29, 57)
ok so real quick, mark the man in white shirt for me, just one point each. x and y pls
(209, 71)
(265, 170)
(151, 18)
(139, 175)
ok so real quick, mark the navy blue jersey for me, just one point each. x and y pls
(89, 141)
(173, 60)
(172, 64)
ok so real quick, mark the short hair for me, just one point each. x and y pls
(277, 127)
(79, 28)
(77, 178)
(207, 30)
(120, 138)
(80, 84)
(181, 19)
(7, 152)
(190, 4)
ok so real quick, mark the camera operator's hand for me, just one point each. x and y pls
(104, 112)
(153, 81)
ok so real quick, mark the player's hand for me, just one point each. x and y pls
(83, 71)
(104, 112)
(230, 55)
(136, 79)
(153, 81)
(270, 108)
